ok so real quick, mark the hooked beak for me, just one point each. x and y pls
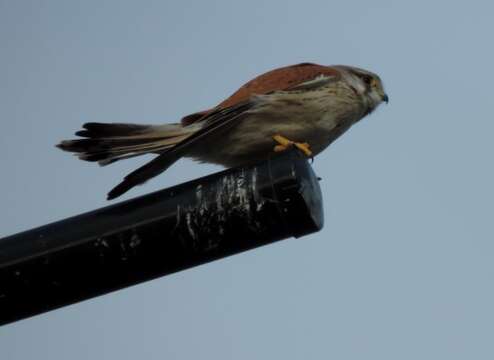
(385, 98)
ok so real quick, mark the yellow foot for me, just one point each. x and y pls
(284, 143)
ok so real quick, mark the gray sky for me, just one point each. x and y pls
(404, 266)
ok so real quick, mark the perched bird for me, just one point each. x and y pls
(305, 105)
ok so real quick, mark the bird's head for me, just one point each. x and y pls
(366, 84)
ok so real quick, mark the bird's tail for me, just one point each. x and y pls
(107, 143)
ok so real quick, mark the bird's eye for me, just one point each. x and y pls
(367, 79)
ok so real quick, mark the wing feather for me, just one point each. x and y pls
(281, 79)
(218, 119)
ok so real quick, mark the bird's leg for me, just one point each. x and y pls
(284, 143)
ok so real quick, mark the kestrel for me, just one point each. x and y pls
(305, 105)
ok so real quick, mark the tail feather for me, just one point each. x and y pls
(99, 130)
(107, 143)
(145, 172)
(219, 120)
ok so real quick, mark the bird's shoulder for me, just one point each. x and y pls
(279, 79)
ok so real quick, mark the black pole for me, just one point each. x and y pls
(157, 234)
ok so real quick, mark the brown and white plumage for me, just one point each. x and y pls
(304, 103)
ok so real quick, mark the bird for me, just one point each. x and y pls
(306, 105)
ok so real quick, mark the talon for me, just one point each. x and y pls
(304, 147)
(280, 148)
(282, 141)
(284, 144)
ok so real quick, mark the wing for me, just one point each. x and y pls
(218, 119)
(285, 78)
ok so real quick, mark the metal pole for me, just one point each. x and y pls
(157, 234)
